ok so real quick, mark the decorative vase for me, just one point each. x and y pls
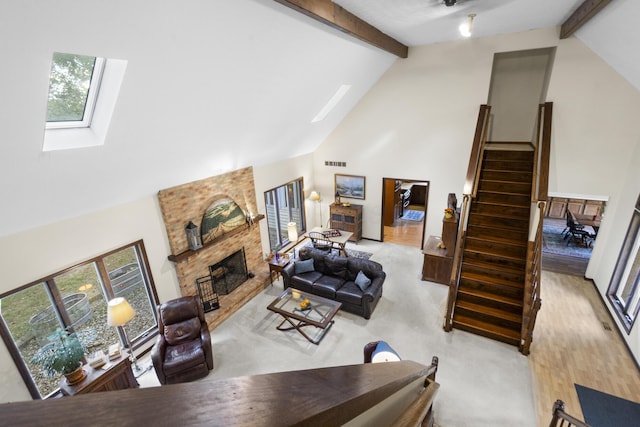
(76, 376)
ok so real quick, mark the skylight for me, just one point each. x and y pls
(74, 84)
(82, 96)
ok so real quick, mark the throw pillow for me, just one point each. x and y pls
(303, 266)
(362, 281)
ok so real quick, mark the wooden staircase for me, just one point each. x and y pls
(493, 267)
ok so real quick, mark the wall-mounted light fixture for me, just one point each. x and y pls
(466, 27)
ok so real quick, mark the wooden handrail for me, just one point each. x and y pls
(476, 150)
(560, 416)
(419, 409)
(457, 263)
(545, 153)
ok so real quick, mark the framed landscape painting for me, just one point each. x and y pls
(351, 186)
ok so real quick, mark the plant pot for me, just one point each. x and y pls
(76, 376)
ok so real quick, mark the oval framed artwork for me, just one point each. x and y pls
(222, 216)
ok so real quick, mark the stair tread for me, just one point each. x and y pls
(489, 266)
(495, 312)
(491, 279)
(490, 296)
(494, 255)
(498, 239)
(487, 327)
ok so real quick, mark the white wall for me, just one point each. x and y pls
(418, 122)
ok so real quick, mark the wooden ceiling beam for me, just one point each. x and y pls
(336, 17)
(587, 10)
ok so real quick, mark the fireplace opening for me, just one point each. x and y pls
(229, 273)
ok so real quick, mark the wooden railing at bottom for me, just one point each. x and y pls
(313, 397)
(532, 301)
(562, 419)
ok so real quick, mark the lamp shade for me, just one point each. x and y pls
(384, 353)
(292, 231)
(119, 312)
(314, 196)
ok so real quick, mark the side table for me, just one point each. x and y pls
(276, 266)
(117, 377)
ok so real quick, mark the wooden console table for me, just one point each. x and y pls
(118, 376)
(437, 264)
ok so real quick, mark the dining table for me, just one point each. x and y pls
(338, 238)
(591, 220)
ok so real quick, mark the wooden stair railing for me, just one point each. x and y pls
(420, 411)
(470, 190)
(313, 397)
(562, 419)
(495, 281)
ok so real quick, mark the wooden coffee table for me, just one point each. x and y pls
(319, 314)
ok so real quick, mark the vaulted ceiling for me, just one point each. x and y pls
(212, 86)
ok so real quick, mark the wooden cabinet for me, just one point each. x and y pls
(437, 265)
(392, 201)
(347, 218)
(118, 376)
(438, 262)
(558, 206)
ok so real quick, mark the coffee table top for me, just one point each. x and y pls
(320, 313)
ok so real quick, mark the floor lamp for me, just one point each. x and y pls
(119, 313)
(315, 196)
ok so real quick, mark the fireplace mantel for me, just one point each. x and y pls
(186, 254)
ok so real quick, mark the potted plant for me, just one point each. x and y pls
(63, 355)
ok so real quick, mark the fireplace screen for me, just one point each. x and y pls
(229, 273)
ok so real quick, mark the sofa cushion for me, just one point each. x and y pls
(336, 266)
(368, 267)
(362, 281)
(182, 331)
(326, 286)
(303, 266)
(349, 293)
(305, 280)
(185, 355)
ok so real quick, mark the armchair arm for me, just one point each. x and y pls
(157, 357)
(287, 272)
(205, 338)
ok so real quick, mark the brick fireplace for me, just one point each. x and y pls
(188, 202)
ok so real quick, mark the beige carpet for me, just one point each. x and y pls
(483, 382)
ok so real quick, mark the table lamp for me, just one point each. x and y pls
(384, 353)
(119, 313)
(315, 196)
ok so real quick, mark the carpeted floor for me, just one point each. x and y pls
(605, 410)
(482, 382)
(554, 242)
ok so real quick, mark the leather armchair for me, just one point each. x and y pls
(182, 352)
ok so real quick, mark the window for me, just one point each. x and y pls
(82, 96)
(624, 292)
(76, 298)
(74, 84)
(284, 204)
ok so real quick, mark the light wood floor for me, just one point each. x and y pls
(404, 232)
(576, 341)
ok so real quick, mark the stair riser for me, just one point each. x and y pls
(501, 249)
(488, 232)
(498, 262)
(484, 317)
(494, 209)
(500, 165)
(485, 334)
(511, 276)
(505, 291)
(514, 155)
(499, 175)
(499, 222)
(523, 200)
(496, 305)
(505, 187)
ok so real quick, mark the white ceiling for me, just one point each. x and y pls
(216, 85)
(420, 22)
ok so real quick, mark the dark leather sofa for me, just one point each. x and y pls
(334, 277)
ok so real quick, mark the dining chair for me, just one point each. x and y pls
(319, 241)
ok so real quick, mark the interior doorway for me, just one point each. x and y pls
(404, 211)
